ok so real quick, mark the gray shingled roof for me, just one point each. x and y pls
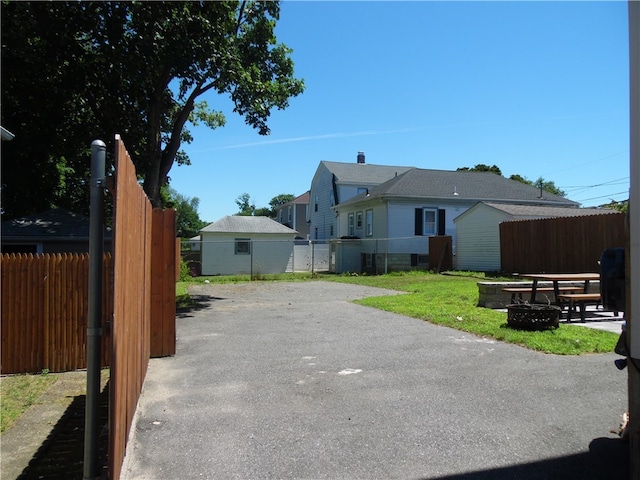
(547, 212)
(463, 185)
(365, 173)
(247, 224)
(52, 224)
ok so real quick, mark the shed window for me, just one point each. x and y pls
(369, 223)
(243, 246)
(359, 220)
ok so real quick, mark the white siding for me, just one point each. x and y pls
(269, 254)
(321, 220)
(402, 225)
(478, 239)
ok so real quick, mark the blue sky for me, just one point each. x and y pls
(539, 89)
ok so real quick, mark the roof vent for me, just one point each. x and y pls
(455, 191)
(360, 157)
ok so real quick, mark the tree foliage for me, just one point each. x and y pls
(76, 71)
(546, 185)
(188, 222)
(621, 206)
(481, 167)
(247, 207)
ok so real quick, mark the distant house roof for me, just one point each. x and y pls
(464, 185)
(55, 224)
(304, 198)
(543, 211)
(364, 173)
(247, 224)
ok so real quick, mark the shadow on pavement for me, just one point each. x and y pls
(607, 459)
(61, 455)
(199, 302)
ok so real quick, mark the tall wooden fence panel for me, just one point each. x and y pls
(163, 283)
(45, 311)
(440, 253)
(130, 331)
(559, 245)
(144, 299)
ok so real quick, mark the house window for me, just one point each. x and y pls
(331, 230)
(350, 225)
(362, 190)
(289, 215)
(359, 220)
(429, 225)
(369, 225)
(315, 204)
(243, 246)
(316, 233)
(430, 221)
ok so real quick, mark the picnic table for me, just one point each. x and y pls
(556, 278)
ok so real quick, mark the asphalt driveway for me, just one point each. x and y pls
(292, 381)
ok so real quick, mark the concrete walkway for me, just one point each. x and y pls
(292, 381)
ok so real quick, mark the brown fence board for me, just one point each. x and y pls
(44, 312)
(140, 267)
(559, 245)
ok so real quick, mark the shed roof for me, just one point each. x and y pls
(247, 224)
(546, 211)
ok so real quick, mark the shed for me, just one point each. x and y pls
(478, 232)
(237, 245)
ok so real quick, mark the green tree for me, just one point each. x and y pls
(245, 206)
(621, 206)
(546, 185)
(76, 71)
(481, 167)
(188, 222)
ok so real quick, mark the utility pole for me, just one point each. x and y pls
(91, 467)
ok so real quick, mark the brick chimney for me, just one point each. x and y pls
(360, 157)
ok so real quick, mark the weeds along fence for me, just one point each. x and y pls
(559, 245)
(45, 310)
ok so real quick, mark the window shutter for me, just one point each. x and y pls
(418, 230)
(441, 221)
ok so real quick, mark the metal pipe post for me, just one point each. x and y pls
(94, 322)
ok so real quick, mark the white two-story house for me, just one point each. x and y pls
(336, 182)
(391, 223)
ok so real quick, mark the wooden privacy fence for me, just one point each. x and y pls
(559, 245)
(45, 310)
(146, 266)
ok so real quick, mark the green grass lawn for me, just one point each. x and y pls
(451, 300)
(19, 392)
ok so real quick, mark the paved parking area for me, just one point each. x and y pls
(292, 381)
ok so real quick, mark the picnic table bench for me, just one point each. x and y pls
(520, 290)
(580, 299)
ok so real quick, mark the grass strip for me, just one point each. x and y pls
(451, 300)
(19, 392)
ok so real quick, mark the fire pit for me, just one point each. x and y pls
(533, 317)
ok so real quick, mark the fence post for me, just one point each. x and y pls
(94, 321)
